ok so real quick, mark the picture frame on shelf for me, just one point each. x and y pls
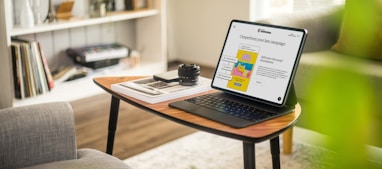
(64, 11)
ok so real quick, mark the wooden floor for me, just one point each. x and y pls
(137, 129)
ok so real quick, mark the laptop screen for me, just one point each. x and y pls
(258, 61)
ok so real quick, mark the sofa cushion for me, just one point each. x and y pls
(361, 30)
(313, 62)
(311, 67)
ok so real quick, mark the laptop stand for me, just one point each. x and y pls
(292, 99)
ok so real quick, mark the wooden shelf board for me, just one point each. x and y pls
(85, 87)
(80, 22)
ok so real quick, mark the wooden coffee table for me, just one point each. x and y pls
(268, 130)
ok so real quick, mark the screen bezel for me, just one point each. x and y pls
(293, 72)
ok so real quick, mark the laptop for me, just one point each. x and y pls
(254, 75)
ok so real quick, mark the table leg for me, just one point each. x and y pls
(249, 155)
(288, 141)
(275, 151)
(113, 119)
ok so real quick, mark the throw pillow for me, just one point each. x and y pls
(361, 29)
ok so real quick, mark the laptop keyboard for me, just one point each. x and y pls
(232, 108)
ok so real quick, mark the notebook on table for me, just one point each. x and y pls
(254, 75)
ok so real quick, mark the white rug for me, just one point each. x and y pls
(202, 150)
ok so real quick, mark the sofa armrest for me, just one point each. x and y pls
(36, 134)
(323, 25)
(87, 158)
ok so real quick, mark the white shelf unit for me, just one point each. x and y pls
(143, 30)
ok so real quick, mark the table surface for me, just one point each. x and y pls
(254, 133)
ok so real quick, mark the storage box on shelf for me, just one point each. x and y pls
(143, 30)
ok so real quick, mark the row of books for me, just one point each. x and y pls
(31, 73)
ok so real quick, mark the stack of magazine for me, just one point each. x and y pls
(154, 91)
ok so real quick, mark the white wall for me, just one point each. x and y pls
(197, 28)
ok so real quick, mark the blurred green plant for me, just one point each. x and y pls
(342, 102)
(342, 98)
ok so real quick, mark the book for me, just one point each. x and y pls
(47, 71)
(38, 68)
(18, 80)
(30, 79)
(153, 91)
(63, 73)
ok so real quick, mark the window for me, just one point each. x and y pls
(266, 8)
(311, 4)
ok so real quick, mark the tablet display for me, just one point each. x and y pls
(259, 61)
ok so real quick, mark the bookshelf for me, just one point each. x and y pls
(143, 30)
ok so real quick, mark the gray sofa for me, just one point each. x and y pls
(43, 136)
(322, 68)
